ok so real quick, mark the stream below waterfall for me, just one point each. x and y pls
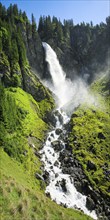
(60, 185)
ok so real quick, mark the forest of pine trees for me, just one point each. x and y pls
(18, 36)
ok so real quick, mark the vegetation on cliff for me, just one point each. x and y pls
(82, 48)
(90, 136)
(22, 133)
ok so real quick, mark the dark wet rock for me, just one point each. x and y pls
(63, 185)
(61, 137)
(60, 117)
(91, 165)
(68, 170)
(48, 194)
(58, 131)
(78, 186)
(90, 203)
(64, 205)
(50, 118)
(63, 154)
(56, 163)
(46, 176)
(56, 175)
(107, 210)
(57, 145)
(57, 184)
(69, 148)
(49, 139)
(52, 135)
(67, 127)
(74, 115)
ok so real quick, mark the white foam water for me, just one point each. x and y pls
(64, 91)
(69, 94)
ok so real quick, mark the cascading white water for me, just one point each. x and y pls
(50, 156)
(62, 86)
(69, 94)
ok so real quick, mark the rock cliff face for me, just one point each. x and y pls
(34, 50)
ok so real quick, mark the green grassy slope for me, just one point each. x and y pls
(29, 129)
(22, 132)
(21, 199)
(90, 136)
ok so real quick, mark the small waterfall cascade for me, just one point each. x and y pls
(60, 185)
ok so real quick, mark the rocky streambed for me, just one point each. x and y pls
(62, 170)
(64, 176)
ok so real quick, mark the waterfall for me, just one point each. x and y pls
(68, 94)
(62, 87)
(60, 185)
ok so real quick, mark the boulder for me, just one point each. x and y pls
(90, 203)
(74, 115)
(48, 194)
(56, 163)
(56, 175)
(57, 145)
(60, 117)
(91, 165)
(58, 131)
(50, 118)
(46, 176)
(63, 185)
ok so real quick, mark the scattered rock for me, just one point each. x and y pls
(60, 117)
(51, 118)
(57, 145)
(56, 163)
(46, 176)
(91, 166)
(49, 139)
(74, 115)
(63, 185)
(58, 131)
(48, 194)
(90, 203)
(52, 135)
(56, 175)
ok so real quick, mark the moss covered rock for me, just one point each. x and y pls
(90, 139)
(4, 69)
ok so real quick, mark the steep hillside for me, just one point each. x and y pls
(22, 132)
(22, 198)
(90, 141)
